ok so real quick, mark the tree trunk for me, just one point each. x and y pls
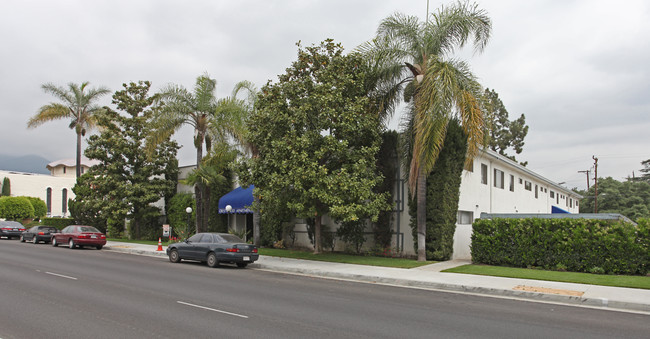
(317, 243)
(78, 154)
(198, 191)
(421, 195)
(256, 221)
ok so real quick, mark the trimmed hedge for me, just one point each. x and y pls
(59, 223)
(16, 208)
(40, 208)
(578, 245)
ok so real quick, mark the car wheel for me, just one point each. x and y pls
(99, 247)
(174, 257)
(22, 239)
(54, 243)
(242, 264)
(34, 240)
(71, 243)
(212, 260)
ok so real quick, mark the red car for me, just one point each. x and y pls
(79, 235)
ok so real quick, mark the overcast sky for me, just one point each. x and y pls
(578, 70)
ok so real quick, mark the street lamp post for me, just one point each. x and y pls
(189, 218)
(228, 209)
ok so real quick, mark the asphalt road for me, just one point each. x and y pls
(49, 292)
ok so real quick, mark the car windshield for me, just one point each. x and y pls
(231, 238)
(88, 229)
(14, 224)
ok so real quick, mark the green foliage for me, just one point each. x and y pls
(387, 163)
(630, 198)
(40, 208)
(352, 233)
(317, 142)
(128, 178)
(177, 216)
(16, 208)
(60, 223)
(578, 245)
(503, 133)
(6, 187)
(443, 193)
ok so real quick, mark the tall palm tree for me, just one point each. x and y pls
(182, 107)
(413, 56)
(78, 105)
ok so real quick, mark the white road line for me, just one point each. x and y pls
(61, 275)
(212, 309)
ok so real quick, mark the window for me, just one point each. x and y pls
(536, 190)
(64, 201)
(528, 186)
(207, 238)
(48, 199)
(520, 181)
(552, 194)
(64, 170)
(512, 183)
(465, 217)
(498, 178)
(576, 203)
(557, 196)
(570, 202)
(484, 174)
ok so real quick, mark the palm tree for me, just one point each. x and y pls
(182, 107)
(78, 105)
(412, 56)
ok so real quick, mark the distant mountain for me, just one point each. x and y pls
(24, 163)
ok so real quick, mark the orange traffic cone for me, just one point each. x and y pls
(159, 245)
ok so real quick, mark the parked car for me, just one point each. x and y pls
(213, 249)
(37, 234)
(79, 235)
(11, 229)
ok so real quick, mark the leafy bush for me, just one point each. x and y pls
(40, 208)
(578, 245)
(352, 233)
(177, 216)
(59, 223)
(16, 208)
(6, 187)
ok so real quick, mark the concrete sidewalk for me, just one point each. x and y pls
(430, 277)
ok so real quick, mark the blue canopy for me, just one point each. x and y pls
(240, 199)
(554, 209)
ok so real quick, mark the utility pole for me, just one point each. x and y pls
(587, 171)
(595, 183)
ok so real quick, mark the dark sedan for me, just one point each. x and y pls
(11, 229)
(37, 234)
(79, 236)
(213, 249)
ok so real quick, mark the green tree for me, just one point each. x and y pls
(6, 187)
(40, 208)
(178, 218)
(316, 139)
(414, 55)
(503, 133)
(645, 176)
(128, 179)
(78, 106)
(16, 208)
(630, 198)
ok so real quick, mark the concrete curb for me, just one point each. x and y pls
(523, 295)
(137, 251)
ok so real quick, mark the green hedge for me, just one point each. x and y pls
(16, 208)
(59, 223)
(578, 245)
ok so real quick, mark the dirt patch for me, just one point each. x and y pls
(548, 290)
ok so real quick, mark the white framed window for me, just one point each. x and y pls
(528, 185)
(465, 217)
(484, 174)
(512, 183)
(498, 178)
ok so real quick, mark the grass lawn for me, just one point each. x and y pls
(631, 281)
(344, 258)
(146, 242)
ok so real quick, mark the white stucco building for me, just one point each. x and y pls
(496, 184)
(55, 189)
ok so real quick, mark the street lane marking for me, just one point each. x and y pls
(61, 275)
(212, 309)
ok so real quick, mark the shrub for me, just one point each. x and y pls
(177, 216)
(6, 187)
(59, 223)
(578, 245)
(352, 233)
(16, 208)
(40, 208)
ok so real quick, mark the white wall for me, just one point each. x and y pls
(35, 185)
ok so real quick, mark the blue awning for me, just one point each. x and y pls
(555, 209)
(240, 199)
